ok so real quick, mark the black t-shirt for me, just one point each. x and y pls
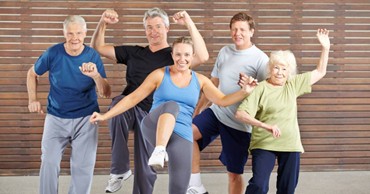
(140, 62)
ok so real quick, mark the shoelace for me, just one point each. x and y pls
(113, 180)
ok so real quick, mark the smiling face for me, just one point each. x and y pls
(74, 34)
(156, 31)
(182, 55)
(282, 66)
(279, 74)
(241, 34)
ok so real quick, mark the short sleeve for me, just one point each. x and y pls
(218, 63)
(251, 103)
(121, 53)
(42, 64)
(301, 83)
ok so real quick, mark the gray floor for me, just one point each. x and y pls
(347, 182)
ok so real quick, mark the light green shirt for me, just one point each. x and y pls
(277, 105)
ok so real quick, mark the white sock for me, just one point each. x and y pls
(195, 179)
(159, 148)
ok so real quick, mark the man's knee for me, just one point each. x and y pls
(233, 177)
(196, 133)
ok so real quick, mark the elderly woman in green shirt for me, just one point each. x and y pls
(272, 110)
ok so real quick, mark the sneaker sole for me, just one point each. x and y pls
(156, 167)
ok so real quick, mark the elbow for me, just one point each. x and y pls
(243, 117)
(222, 103)
(204, 58)
(105, 95)
(238, 115)
(107, 92)
(322, 73)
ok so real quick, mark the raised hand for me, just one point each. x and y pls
(109, 16)
(247, 83)
(323, 37)
(182, 18)
(89, 69)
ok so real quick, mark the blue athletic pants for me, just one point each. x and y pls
(263, 162)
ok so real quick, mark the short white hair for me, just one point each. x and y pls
(74, 19)
(283, 57)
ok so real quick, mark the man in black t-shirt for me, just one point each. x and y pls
(140, 61)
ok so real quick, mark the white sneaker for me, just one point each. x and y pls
(115, 181)
(158, 158)
(196, 190)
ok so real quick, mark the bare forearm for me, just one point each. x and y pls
(31, 85)
(244, 117)
(102, 86)
(122, 106)
(323, 63)
(233, 98)
(320, 71)
(97, 39)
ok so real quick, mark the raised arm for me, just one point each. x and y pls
(320, 71)
(98, 39)
(145, 89)
(216, 96)
(200, 48)
(33, 104)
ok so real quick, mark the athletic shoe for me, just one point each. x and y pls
(115, 181)
(196, 190)
(158, 158)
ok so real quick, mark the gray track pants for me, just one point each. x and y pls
(83, 137)
(119, 128)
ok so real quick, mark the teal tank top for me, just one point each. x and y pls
(186, 98)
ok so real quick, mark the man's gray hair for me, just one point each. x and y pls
(156, 12)
(74, 19)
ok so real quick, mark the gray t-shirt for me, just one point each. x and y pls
(229, 63)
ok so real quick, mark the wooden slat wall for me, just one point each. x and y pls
(335, 118)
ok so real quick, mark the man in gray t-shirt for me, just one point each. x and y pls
(241, 57)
